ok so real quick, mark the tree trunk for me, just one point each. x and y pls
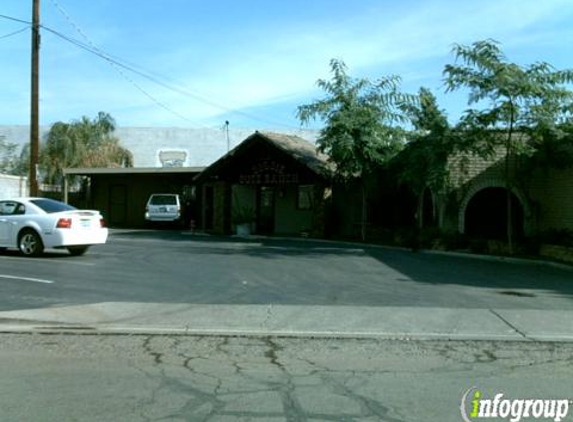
(418, 221)
(419, 216)
(363, 223)
(509, 221)
(508, 184)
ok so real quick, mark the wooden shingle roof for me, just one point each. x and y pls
(300, 149)
(296, 147)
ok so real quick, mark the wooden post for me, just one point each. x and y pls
(34, 106)
(65, 188)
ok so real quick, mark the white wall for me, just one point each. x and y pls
(198, 146)
(13, 186)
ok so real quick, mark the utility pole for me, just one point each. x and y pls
(35, 109)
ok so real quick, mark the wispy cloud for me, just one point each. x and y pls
(290, 62)
(272, 61)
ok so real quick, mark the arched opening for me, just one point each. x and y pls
(486, 214)
(428, 209)
(404, 208)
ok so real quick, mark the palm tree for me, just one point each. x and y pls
(82, 143)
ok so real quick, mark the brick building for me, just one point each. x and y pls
(168, 159)
(541, 197)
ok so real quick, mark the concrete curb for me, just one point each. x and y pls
(384, 323)
(81, 330)
(497, 258)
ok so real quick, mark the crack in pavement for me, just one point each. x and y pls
(292, 408)
(510, 325)
(212, 379)
(268, 316)
(240, 386)
(202, 405)
(157, 356)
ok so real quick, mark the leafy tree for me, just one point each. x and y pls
(424, 162)
(10, 161)
(360, 118)
(82, 143)
(22, 167)
(7, 156)
(519, 104)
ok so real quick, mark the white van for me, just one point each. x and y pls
(163, 207)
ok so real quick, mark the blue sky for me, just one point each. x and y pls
(251, 62)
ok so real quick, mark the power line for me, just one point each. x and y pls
(102, 55)
(15, 32)
(118, 66)
(11, 18)
(160, 80)
(91, 47)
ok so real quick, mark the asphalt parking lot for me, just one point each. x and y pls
(176, 267)
(160, 325)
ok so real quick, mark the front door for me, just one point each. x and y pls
(266, 210)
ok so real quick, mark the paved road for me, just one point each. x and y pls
(172, 267)
(69, 377)
(219, 379)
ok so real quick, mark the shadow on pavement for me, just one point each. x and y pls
(509, 278)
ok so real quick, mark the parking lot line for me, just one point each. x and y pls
(68, 261)
(35, 280)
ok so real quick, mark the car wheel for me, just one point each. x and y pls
(30, 243)
(78, 250)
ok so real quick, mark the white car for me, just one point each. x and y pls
(32, 224)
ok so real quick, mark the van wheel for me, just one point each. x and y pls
(30, 243)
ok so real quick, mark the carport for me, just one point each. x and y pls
(121, 194)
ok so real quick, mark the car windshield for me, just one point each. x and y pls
(50, 206)
(163, 200)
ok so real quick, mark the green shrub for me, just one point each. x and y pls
(428, 237)
(381, 235)
(451, 241)
(530, 245)
(478, 245)
(405, 237)
(560, 237)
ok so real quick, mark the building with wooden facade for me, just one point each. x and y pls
(276, 183)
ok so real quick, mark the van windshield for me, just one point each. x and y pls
(163, 200)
